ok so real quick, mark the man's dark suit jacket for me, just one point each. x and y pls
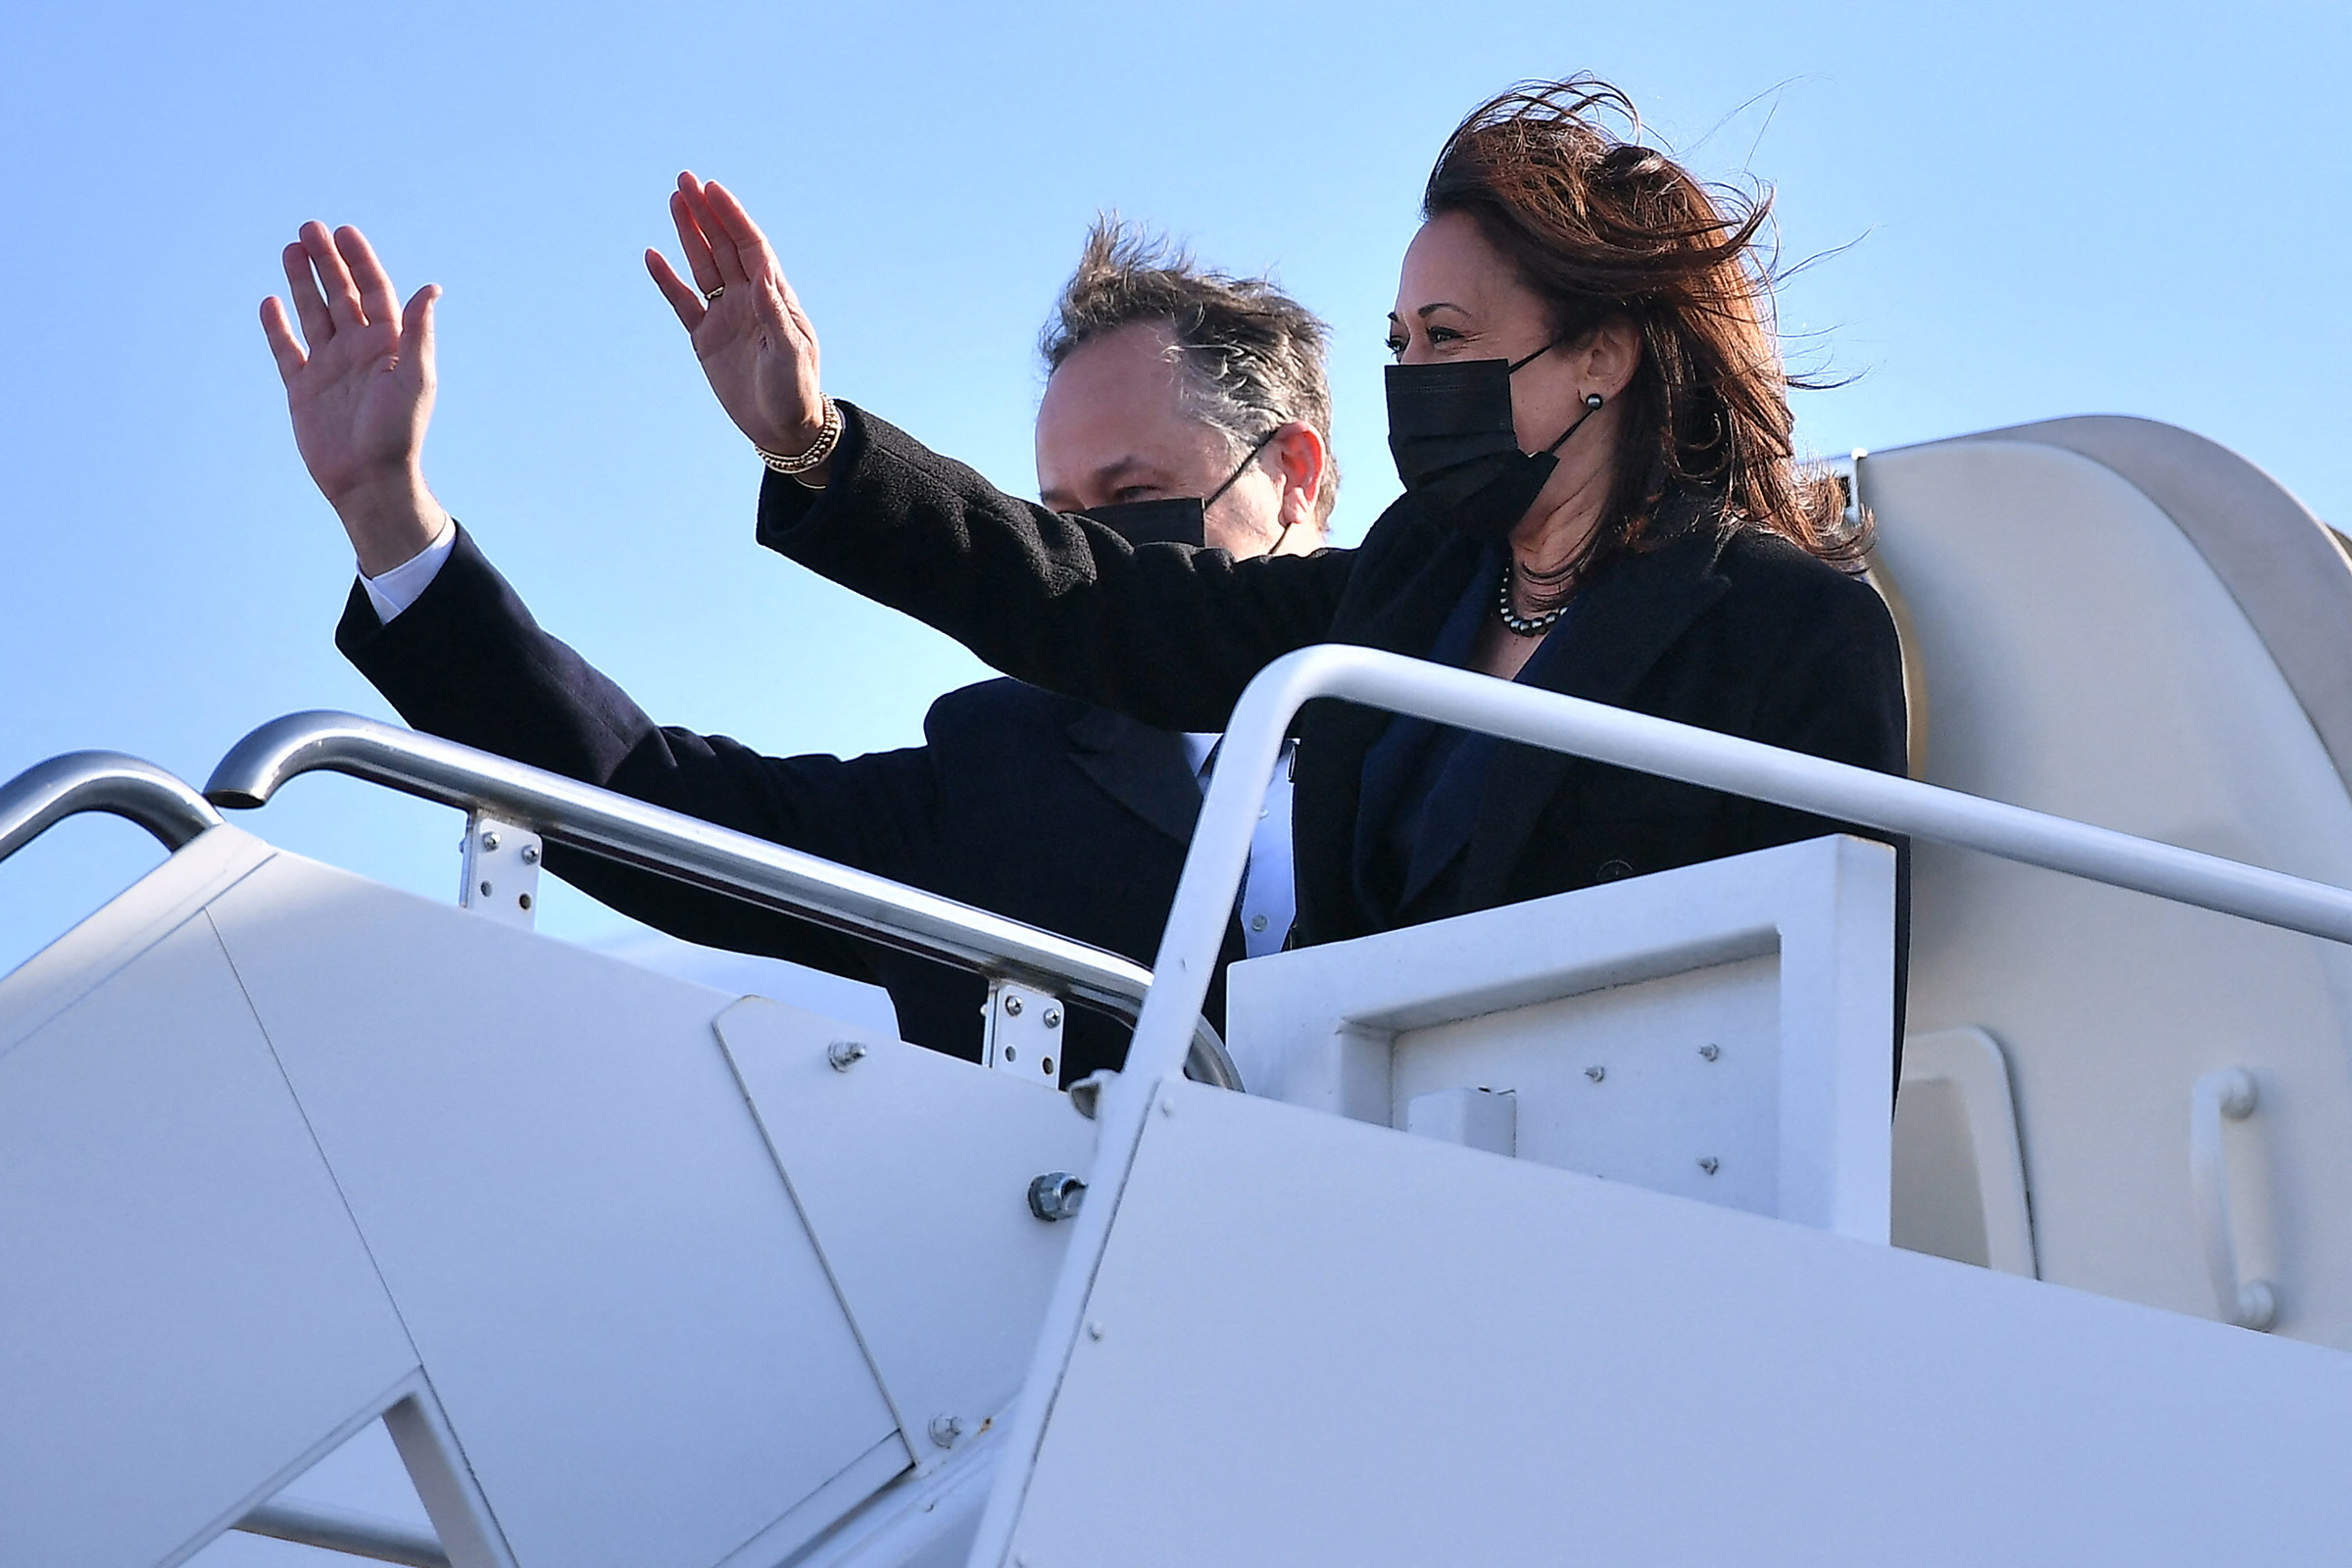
(1050, 812)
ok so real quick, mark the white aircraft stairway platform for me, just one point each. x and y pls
(1556, 1233)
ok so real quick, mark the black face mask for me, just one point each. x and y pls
(1457, 447)
(1174, 519)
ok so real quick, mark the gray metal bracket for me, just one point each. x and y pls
(499, 869)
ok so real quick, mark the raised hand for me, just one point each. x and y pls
(757, 345)
(362, 391)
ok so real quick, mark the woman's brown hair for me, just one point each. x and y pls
(1601, 227)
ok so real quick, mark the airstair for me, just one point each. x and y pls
(1558, 1231)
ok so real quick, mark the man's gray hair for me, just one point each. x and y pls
(1252, 356)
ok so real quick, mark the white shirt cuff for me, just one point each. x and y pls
(396, 590)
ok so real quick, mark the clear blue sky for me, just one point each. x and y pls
(2046, 210)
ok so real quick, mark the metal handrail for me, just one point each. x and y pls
(686, 849)
(1220, 849)
(47, 792)
(1605, 734)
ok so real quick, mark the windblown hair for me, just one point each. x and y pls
(1251, 356)
(1600, 227)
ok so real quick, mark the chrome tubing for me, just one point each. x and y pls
(354, 1534)
(46, 793)
(688, 849)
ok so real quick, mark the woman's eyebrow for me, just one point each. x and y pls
(1437, 305)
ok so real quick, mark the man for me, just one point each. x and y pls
(1166, 383)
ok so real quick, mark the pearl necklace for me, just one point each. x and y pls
(1519, 625)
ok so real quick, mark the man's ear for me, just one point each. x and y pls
(1302, 461)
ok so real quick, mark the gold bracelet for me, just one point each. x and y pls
(827, 438)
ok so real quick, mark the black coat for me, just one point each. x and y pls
(1050, 812)
(1738, 632)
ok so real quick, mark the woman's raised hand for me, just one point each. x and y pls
(359, 386)
(754, 342)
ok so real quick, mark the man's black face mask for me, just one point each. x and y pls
(1457, 444)
(1175, 521)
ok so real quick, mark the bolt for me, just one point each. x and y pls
(1709, 1163)
(1053, 1017)
(1056, 1196)
(524, 900)
(489, 841)
(1710, 1052)
(530, 854)
(843, 1054)
(946, 1429)
(1012, 1007)
(1597, 1074)
(486, 890)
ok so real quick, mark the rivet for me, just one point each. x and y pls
(946, 1429)
(1093, 1329)
(530, 854)
(1709, 1163)
(1167, 1106)
(486, 890)
(1012, 1007)
(1012, 1054)
(1710, 1052)
(1257, 922)
(523, 900)
(1053, 1017)
(1597, 1074)
(844, 1054)
(489, 841)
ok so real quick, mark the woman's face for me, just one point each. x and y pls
(1460, 298)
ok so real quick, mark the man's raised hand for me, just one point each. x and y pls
(754, 342)
(360, 386)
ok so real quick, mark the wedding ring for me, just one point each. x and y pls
(710, 296)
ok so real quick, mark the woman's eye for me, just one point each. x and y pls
(1396, 347)
(1443, 334)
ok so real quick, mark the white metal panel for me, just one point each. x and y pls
(1724, 1031)
(912, 1169)
(1314, 1342)
(123, 927)
(2083, 658)
(187, 1312)
(1959, 1175)
(629, 1330)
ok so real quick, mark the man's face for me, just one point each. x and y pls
(1112, 428)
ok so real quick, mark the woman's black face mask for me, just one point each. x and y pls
(1457, 444)
(1175, 519)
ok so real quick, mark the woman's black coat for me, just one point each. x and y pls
(1742, 633)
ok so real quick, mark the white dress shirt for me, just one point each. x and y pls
(396, 590)
(1269, 902)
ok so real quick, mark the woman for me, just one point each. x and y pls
(1590, 416)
